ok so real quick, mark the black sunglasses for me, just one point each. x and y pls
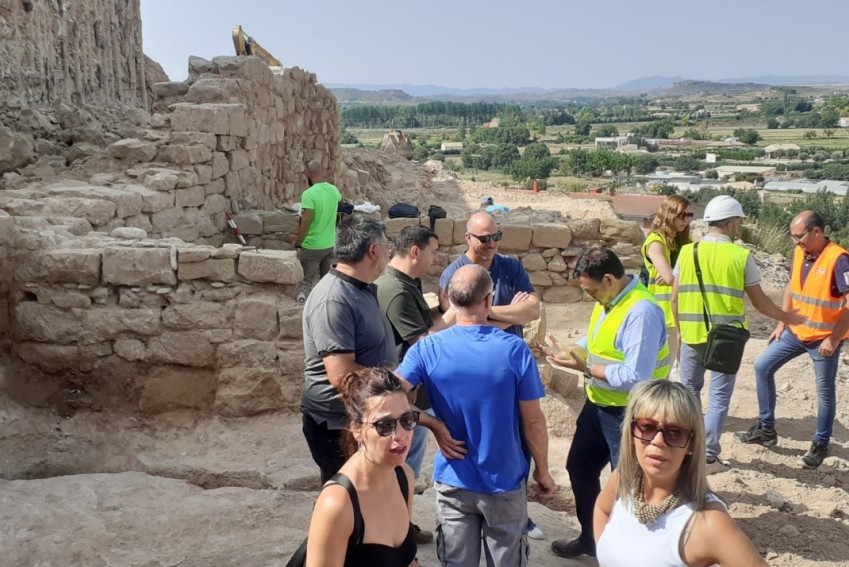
(386, 427)
(685, 215)
(673, 435)
(489, 237)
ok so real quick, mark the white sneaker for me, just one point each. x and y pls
(717, 466)
(301, 298)
(533, 531)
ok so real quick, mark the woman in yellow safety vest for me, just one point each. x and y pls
(670, 231)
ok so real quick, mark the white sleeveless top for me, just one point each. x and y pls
(626, 542)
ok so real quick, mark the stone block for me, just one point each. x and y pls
(212, 90)
(127, 203)
(540, 279)
(516, 237)
(47, 357)
(256, 318)
(246, 352)
(173, 388)
(128, 233)
(216, 187)
(168, 89)
(275, 266)
(220, 165)
(632, 262)
(113, 321)
(620, 231)
(459, 231)
(563, 294)
(133, 151)
(130, 349)
(193, 138)
(228, 143)
(238, 159)
(138, 266)
(185, 348)
(64, 265)
(444, 230)
(190, 197)
(204, 173)
(551, 235)
(184, 154)
(152, 201)
(165, 221)
(557, 278)
(197, 315)
(585, 229)
(217, 118)
(247, 390)
(249, 223)
(217, 270)
(232, 184)
(624, 249)
(96, 211)
(214, 204)
(534, 262)
(290, 319)
(395, 226)
(557, 264)
(280, 222)
(161, 181)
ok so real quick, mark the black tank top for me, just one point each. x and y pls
(361, 554)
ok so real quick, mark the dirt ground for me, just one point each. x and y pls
(192, 490)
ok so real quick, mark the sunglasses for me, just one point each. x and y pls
(683, 216)
(484, 239)
(673, 435)
(386, 427)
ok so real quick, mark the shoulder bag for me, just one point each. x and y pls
(725, 342)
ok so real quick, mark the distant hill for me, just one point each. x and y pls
(779, 80)
(350, 95)
(436, 90)
(709, 87)
(648, 84)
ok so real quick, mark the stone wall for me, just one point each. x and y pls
(153, 325)
(245, 130)
(83, 52)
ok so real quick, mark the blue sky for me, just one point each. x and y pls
(499, 43)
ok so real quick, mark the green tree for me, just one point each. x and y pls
(829, 132)
(606, 131)
(537, 150)
(810, 134)
(748, 136)
(532, 168)
(583, 128)
(772, 124)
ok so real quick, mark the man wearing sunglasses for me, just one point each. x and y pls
(514, 301)
(484, 386)
(819, 284)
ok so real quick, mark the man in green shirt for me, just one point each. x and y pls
(317, 228)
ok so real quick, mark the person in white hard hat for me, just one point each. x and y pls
(728, 272)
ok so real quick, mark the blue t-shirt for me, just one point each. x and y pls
(508, 276)
(475, 377)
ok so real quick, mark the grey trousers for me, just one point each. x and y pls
(465, 517)
(313, 261)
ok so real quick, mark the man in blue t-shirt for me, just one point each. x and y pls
(484, 386)
(514, 301)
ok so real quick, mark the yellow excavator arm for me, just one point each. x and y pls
(246, 45)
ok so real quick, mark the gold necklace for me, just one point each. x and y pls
(648, 514)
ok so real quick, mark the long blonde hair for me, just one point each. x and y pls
(664, 222)
(671, 402)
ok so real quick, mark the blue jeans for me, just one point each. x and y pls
(596, 442)
(719, 395)
(779, 353)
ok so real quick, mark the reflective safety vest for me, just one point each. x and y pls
(601, 349)
(814, 300)
(661, 292)
(723, 272)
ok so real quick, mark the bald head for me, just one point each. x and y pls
(809, 220)
(315, 171)
(481, 223)
(469, 286)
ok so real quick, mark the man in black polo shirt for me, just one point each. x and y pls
(344, 330)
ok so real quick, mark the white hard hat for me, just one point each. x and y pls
(723, 207)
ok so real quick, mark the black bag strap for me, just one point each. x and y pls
(705, 312)
(357, 535)
(402, 482)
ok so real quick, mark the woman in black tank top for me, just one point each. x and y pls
(362, 516)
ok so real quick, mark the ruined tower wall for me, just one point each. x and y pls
(82, 52)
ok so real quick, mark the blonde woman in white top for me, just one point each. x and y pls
(657, 509)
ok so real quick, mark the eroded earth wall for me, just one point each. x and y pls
(80, 52)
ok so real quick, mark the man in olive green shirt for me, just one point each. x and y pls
(317, 228)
